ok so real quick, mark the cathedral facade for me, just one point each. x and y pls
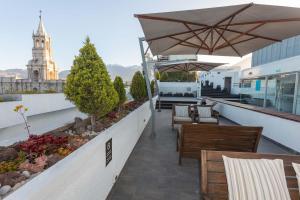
(42, 70)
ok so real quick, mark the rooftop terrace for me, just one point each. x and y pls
(152, 171)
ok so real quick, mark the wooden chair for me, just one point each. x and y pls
(181, 119)
(192, 138)
(214, 115)
(213, 178)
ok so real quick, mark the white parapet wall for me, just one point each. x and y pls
(84, 174)
(46, 112)
(283, 131)
(178, 87)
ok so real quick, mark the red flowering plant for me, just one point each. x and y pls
(38, 145)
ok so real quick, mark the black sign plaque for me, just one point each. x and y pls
(108, 151)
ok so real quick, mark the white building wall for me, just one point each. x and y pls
(277, 67)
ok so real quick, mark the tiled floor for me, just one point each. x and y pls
(152, 171)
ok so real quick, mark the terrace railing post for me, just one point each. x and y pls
(266, 91)
(296, 93)
(144, 64)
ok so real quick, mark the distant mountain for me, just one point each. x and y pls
(114, 70)
(18, 73)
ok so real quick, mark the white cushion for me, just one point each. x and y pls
(182, 111)
(208, 120)
(297, 170)
(183, 119)
(259, 179)
(204, 111)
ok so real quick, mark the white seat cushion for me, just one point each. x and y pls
(259, 179)
(183, 119)
(182, 111)
(204, 111)
(208, 120)
(297, 170)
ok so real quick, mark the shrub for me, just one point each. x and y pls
(157, 75)
(89, 86)
(152, 86)
(164, 77)
(120, 88)
(138, 87)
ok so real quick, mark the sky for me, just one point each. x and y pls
(110, 24)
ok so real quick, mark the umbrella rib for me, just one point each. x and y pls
(223, 32)
(204, 41)
(148, 48)
(180, 42)
(241, 35)
(249, 34)
(265, 21)
(174, 34)
(235, 13)
(197, 36)
(224, 45)
(228, 43)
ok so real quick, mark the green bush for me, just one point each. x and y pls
(89, 86)
(164, 77)
(120, 88)
(157, 75)
(138, 87)
(152, 86)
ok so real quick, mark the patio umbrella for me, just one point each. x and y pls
(186, 66)
(228, 31)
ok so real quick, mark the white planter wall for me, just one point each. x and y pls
(46, 112)
(283, 131)
(82, 174)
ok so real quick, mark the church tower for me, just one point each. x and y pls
(41, 67)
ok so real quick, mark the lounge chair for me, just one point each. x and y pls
(213, 178)
(192, 138)
(207, 115)
(181, 114)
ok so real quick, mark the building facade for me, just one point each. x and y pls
(41, 69)
(273, 80)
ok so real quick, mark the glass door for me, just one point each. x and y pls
(284, 95)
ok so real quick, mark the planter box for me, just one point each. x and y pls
(84, 174)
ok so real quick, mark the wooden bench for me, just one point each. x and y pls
(192, 138)
(213, 177)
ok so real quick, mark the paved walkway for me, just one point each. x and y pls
(152, 171)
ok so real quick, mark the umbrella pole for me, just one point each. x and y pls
(144, 64)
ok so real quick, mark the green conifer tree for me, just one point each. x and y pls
(120, 88)
(138, 87)
(89, 86)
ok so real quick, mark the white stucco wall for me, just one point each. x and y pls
(46, 112)
(177, 87)
(83, 174)
(283, 131)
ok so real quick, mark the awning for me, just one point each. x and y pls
(227, 31)
(186, 66)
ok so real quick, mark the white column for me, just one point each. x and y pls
(296, 93)
(266, 91)
(144, 64)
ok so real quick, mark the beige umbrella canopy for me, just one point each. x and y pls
(228, 31)
(186, 66)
